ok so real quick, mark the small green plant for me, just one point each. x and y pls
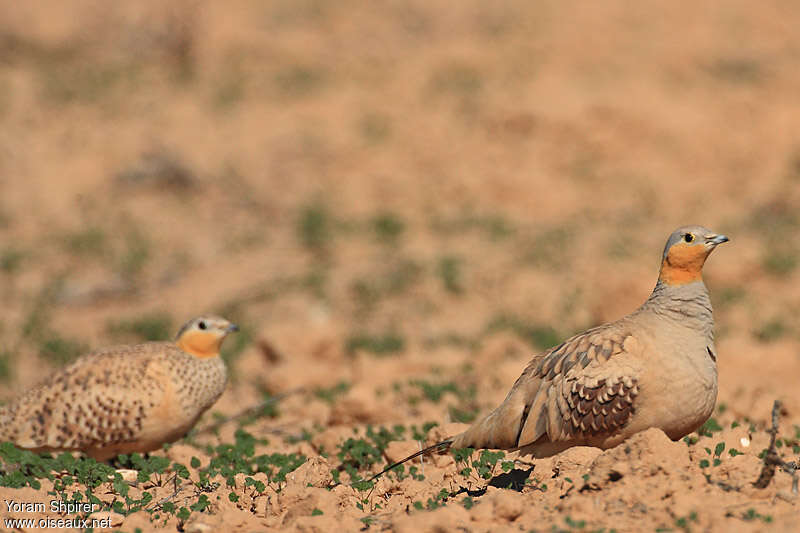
(780, 262)
(5, 365)
(709, 427)
(449, 271)
(796, 440)
(718, 449)
(147, 327)
(457, 79)
(388, 227)
(751, 514)
(385, 343)
(438, 500)
(464, 416)
(771, 330)
(736, 70)
(297, 81)
(548, 249)
(574, 524)
(330, 394)
(134, 255)
(315, 226)
(399, 276)
(493, 226)
(60, 350)
(90, 241)
(423, 434)
(365, 293)
(466, 408)
(728, 296)
(434, 391)
(239, 457)
(684, 521)
(538, 336)
(456, 340)
(714, 460)
(36, 329)
(484, 467)
(356, 455)
(11, 260)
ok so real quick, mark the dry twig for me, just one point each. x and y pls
(772, 460)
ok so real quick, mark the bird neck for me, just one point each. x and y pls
(200, 344)
(684, 304)
(683, 265)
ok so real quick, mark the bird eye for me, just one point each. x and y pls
(201, 325)
(688, 237)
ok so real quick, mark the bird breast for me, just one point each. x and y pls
(198, 382)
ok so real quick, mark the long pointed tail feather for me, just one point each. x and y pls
(444, 445)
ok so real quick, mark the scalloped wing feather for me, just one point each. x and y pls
(583, 392)
(583, 388)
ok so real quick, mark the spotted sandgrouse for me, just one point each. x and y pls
(123, 399)
(656, 367)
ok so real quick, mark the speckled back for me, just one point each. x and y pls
(139, 395)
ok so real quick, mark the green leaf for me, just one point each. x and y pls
(201, 503)
(181, 470)
(719, 449)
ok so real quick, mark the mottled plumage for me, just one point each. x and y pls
(123, 399)
(655, 367)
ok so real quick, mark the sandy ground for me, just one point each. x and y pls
(400, 198)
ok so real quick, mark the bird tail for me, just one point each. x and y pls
(439, 446)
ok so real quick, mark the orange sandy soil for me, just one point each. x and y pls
(411, 173)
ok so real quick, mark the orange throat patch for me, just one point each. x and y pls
(200, 344)
(683, 264)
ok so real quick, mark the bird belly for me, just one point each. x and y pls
(686, 398)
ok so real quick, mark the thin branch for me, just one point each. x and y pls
(772, 460)
(160, 504)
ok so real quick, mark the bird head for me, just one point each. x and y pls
(203, 336)
(685, 253)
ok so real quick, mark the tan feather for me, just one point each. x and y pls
(120, 399)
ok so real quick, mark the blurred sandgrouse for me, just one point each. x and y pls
(653, 368)
(123, 399)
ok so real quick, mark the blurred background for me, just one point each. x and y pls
(394, 199)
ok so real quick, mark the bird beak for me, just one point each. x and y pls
(716, 239)
(232, 328)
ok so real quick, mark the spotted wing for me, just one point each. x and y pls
(103, 398)
(583, 388)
